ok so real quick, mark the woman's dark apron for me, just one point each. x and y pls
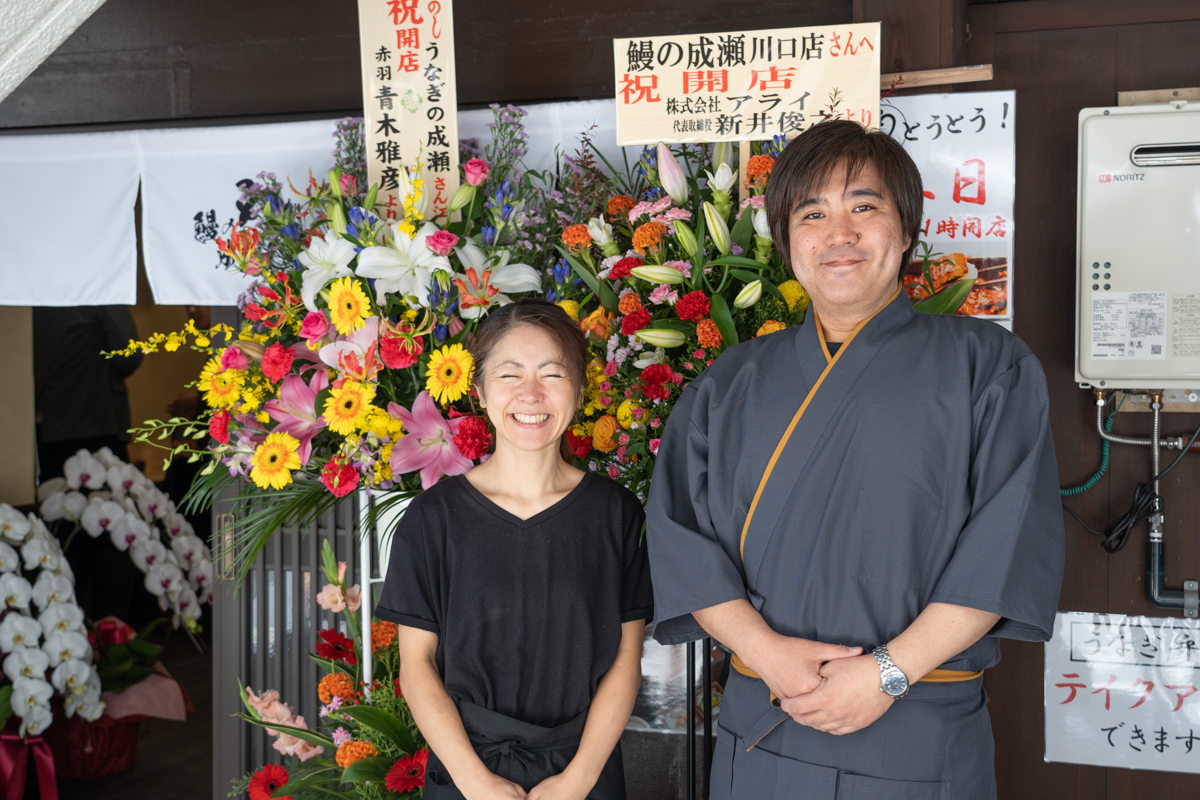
(523, 753)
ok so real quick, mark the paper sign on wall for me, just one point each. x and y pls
(1123, 692)
(744, 85)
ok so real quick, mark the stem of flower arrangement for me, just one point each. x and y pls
(470, 214)
(71, 538)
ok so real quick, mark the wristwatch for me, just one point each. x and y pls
(893, 682)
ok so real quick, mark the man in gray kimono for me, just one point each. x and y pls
(858, 507)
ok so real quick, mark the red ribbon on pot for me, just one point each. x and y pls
(14, 762)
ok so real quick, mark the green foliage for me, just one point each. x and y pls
(122, 665)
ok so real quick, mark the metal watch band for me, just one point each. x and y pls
(882, 657)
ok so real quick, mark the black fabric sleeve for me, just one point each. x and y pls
(410, 588)
(1010, 555)
(637, 593)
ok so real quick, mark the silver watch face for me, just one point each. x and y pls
(894, 682)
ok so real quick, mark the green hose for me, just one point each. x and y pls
(1092, 481)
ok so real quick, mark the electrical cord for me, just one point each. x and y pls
(1145, 503)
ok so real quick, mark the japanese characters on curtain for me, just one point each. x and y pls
(745, 85)
(409, 99)
(1122, 692)
(963, 144)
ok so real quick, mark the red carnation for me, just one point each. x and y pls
(333, 645)
(277, 360)
(579, 445)
(267, 781)
(473, 437)
(654, 379)
(339, 478)
(622, 267)
(400, 352)
(692, 305)
(218, 426)
(632, 323)
(408, 772)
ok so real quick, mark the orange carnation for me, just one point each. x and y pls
(596, 324)
(382, 635)
(708, 334)
(770, 326)
(618, 206)
(602, 434)
(336, 684)
(630, 302)
(353, 751)
(758, 170)
(648, 236)
(577, 238)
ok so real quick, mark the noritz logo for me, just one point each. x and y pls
(1120, 177)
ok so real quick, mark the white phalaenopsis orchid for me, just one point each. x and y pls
(9, 560)
(724, 178)
(122, 478)
(25, 662)
(189, 550)
(86, 703)
(324, 260)
(15, 591)
(188, 603)
(66, 644)
(70, 675)
(57, 618)
(106, 457)
(35, 722)
(404, 265)
(52, 486)
(30, 692)
(146, 554)
(18, 630)
(84, 469)
(152, 504)
(14, 527)
(131, 528)
(201, 575)
(163, 580)
(41, 552)
(177, 525)
(49, 588)
(600, 231)
(63, 505)
(100, 517)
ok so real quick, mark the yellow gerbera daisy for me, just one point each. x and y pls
(222, 387)
(449, 374)
(348, 305)
(274, 460)
(344, 406)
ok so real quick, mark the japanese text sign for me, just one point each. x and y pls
(964, 147)
(409, 98)
(744, 85)
(1122, 692)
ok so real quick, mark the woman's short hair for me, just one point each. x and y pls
(539, 314)
(809, 160)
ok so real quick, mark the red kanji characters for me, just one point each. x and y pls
(972, 225)
(408, 62)
(1190, 690)
(1149, 688)
(1107, 689)
(439, 197)
(403, 11)
(389, 207)
(408, 37)
(776, 78)
(997, 228)
(1074, 687)
(947, 226)
(712, 80)
(641, 85)
(968, 180)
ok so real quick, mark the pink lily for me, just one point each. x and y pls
(356, 355)
(295, 410)
(428, 443)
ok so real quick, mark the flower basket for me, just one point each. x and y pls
(92, 749)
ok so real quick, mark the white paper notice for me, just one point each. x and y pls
(1131, 325)
(1122, 692)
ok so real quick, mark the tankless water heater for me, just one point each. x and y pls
(1137, 246)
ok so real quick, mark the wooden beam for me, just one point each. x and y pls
(936, 77)
(1048, 15)
(1143, 97)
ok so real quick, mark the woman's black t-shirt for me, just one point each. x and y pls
(528, 613)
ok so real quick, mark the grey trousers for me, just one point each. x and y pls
(934, 744)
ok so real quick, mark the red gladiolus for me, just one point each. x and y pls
(339, 478)
(333, 645)
(632, 323)
(277, 360)
(408, 772)
(692, 305)
(579, 445)
(473, 438)
(622, 267)
(267, 781)
(218, 426)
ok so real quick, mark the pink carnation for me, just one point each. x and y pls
(654, 446)
(611, 368)
(683, 266)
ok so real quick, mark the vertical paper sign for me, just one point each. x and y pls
(410, 105)
(745, 85)
(964, 147)
(1123, 692)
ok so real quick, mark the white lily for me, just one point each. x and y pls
(100, 517)
(13, 525)
(146, 554)
(661, 337)
(15, 591)
(761, 226)
(131, 528)
(507, 275)
(57, 617)
(35, 722)
(654, 273)
(723, 180)
(9, 560)
(25, 662)
(324, 260)
(67, 644)
(71, 674)
(30, 692)
(718, 230)
(189, 550)
(48, 589)
(404, 265)
(600, 231)
(122, 478)
(84, 469)
(750, 294)
(52, 486)
(18, 630)
(671, 176)
(41, 552)
(650, 357)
